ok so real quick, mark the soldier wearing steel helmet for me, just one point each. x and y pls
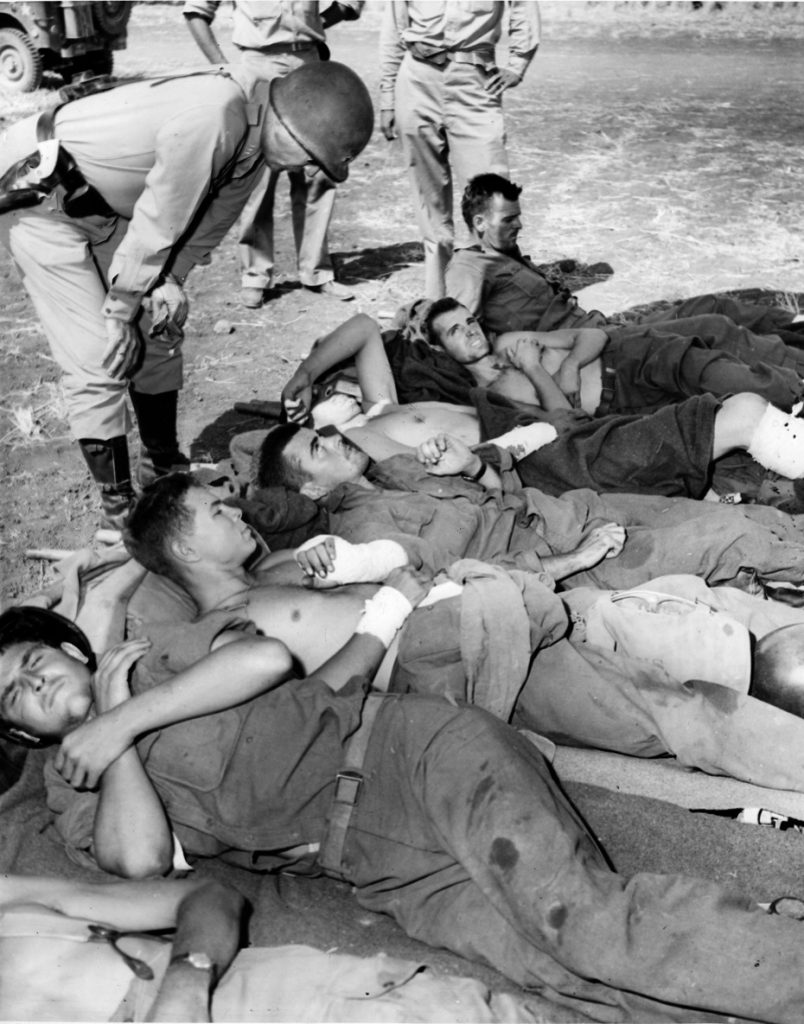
(108, 203)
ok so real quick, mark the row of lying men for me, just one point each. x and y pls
(329, 673)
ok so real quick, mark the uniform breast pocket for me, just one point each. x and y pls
(196, 754)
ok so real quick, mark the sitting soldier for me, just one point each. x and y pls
(496, 282)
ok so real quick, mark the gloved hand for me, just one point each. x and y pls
(168, 307)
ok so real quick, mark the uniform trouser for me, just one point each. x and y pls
(446, 121)
(462, 834)
(700, 355)
(668, 451)
(312, 199)
(584, 696)
(760, 319)
(64, 262)
(606, 697)
(681, 535)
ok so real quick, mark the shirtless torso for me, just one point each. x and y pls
(515, 384)
(313, 624)
(415, 423)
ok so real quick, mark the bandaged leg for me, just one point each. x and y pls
(521, 441)
(778, 443)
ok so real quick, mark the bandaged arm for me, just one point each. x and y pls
(331, 561)
(383, 616)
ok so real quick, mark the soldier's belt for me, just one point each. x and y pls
(30, 180)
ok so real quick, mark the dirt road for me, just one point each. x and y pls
(660, 140)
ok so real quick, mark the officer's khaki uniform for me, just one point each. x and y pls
(275, 37)
(435, 59)
(176, 160)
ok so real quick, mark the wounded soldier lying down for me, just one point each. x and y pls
(460, 832)
(473, 638)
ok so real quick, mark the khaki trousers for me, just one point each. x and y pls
(312, 199)
(64, 263)
(447, 122)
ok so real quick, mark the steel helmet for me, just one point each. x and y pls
(777, 675)
(327, 109)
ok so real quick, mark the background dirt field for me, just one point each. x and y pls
(660, 139)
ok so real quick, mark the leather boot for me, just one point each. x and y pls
(109, 465)
(156, 419)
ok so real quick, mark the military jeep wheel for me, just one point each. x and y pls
(20, 61)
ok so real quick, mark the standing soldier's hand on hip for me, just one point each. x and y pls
(499, 80)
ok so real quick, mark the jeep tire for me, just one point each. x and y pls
(20, 61)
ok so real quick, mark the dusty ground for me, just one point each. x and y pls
(656, 138)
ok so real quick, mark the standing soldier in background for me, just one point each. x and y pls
(274, 37)
(107, 203)
(442, 91)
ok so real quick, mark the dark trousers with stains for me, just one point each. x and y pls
(668, 362)
(462, 834)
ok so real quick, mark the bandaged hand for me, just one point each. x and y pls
(385, 614)
(167, 306)
(521, 441)
(328, 561)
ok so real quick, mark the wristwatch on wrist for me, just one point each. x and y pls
(475, 477)
(200, 961)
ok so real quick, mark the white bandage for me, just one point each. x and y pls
(384, 615)
(521, 441)
(360, 563)
(778, 443)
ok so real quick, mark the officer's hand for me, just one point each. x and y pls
(123, 351)
(297, 397)
(388, 124)
(168, 307)
(500, 80)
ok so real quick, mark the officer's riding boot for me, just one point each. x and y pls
(156, 419)
(109, 465)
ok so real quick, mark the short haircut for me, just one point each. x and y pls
(440, 306)
(274, 468)
(479, 192)
(27, 624)
(160, 516)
